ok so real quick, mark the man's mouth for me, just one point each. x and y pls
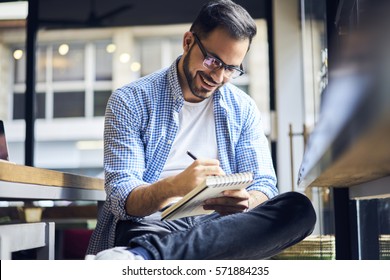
(207, 84)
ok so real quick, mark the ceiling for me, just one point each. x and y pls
(108, 13)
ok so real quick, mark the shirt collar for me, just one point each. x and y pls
(174, 85)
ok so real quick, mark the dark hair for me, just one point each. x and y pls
(226, 14)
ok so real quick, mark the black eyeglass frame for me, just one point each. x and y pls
(240, 71)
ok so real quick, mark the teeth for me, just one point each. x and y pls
(206, 82)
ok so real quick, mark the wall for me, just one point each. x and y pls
(289, 89)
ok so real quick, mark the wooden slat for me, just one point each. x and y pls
(31, 175)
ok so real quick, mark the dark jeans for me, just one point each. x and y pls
(260, 233)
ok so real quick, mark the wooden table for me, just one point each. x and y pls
(18, 182)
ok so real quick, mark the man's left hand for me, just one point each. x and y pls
(232, 201)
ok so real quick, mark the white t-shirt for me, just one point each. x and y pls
(196, 134)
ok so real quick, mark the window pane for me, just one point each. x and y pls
(20, 66)
(69, 104)
(99, 102)
(41, 64)
(176, 48)
(103, 62)
(69, 65)
(41, 105)
(150, 55)
(19, 106)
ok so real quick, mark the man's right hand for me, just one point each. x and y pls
(145, 200)
(194, 174)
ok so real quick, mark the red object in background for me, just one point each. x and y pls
(75, 243)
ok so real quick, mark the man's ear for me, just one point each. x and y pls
(187, 40)
(188, 43)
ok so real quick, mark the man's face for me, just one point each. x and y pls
(203, 82)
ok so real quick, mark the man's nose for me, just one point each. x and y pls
(218, 75)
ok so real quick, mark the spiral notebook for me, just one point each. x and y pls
(192, 203)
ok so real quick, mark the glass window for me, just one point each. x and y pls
(158, 52)
(41, 105)
(68, 62)
(100, 102)
(69, 104)
(20, 65)
(176, 48)
(103, 62)
(19, 106)
(150, 55)
(315, 56)
(41, 64)
(18, 110)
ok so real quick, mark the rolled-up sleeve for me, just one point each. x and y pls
(124, 157)
(253, 154)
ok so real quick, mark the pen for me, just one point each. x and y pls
(191, 155)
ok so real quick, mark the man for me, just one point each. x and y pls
(152, 122)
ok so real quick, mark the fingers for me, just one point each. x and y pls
(208, 162)
(213, 171)
(207, 167)
(194, 174)
(240, 194)
(234, 201)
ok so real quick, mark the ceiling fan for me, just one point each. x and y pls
(93, 19)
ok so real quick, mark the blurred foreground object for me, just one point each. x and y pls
(349, 144)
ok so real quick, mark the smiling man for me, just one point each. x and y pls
(200, 84)
(152, 122)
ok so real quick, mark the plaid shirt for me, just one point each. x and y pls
(141, 123)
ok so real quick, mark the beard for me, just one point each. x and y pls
(199, 92)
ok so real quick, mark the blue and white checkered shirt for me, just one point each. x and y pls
(140, 127)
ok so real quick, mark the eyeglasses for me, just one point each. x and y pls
(213, 63)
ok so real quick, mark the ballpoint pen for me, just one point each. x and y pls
(191, 155)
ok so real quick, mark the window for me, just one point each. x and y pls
(18, 110)
(99, 102)
(158, 52)
(20, 65)
(69, 104)
(19, 106)
(41, 64)
(150, 55)
(68, 62)
(103, 62)
(72, 80)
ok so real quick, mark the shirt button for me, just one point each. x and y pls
(169, 142)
